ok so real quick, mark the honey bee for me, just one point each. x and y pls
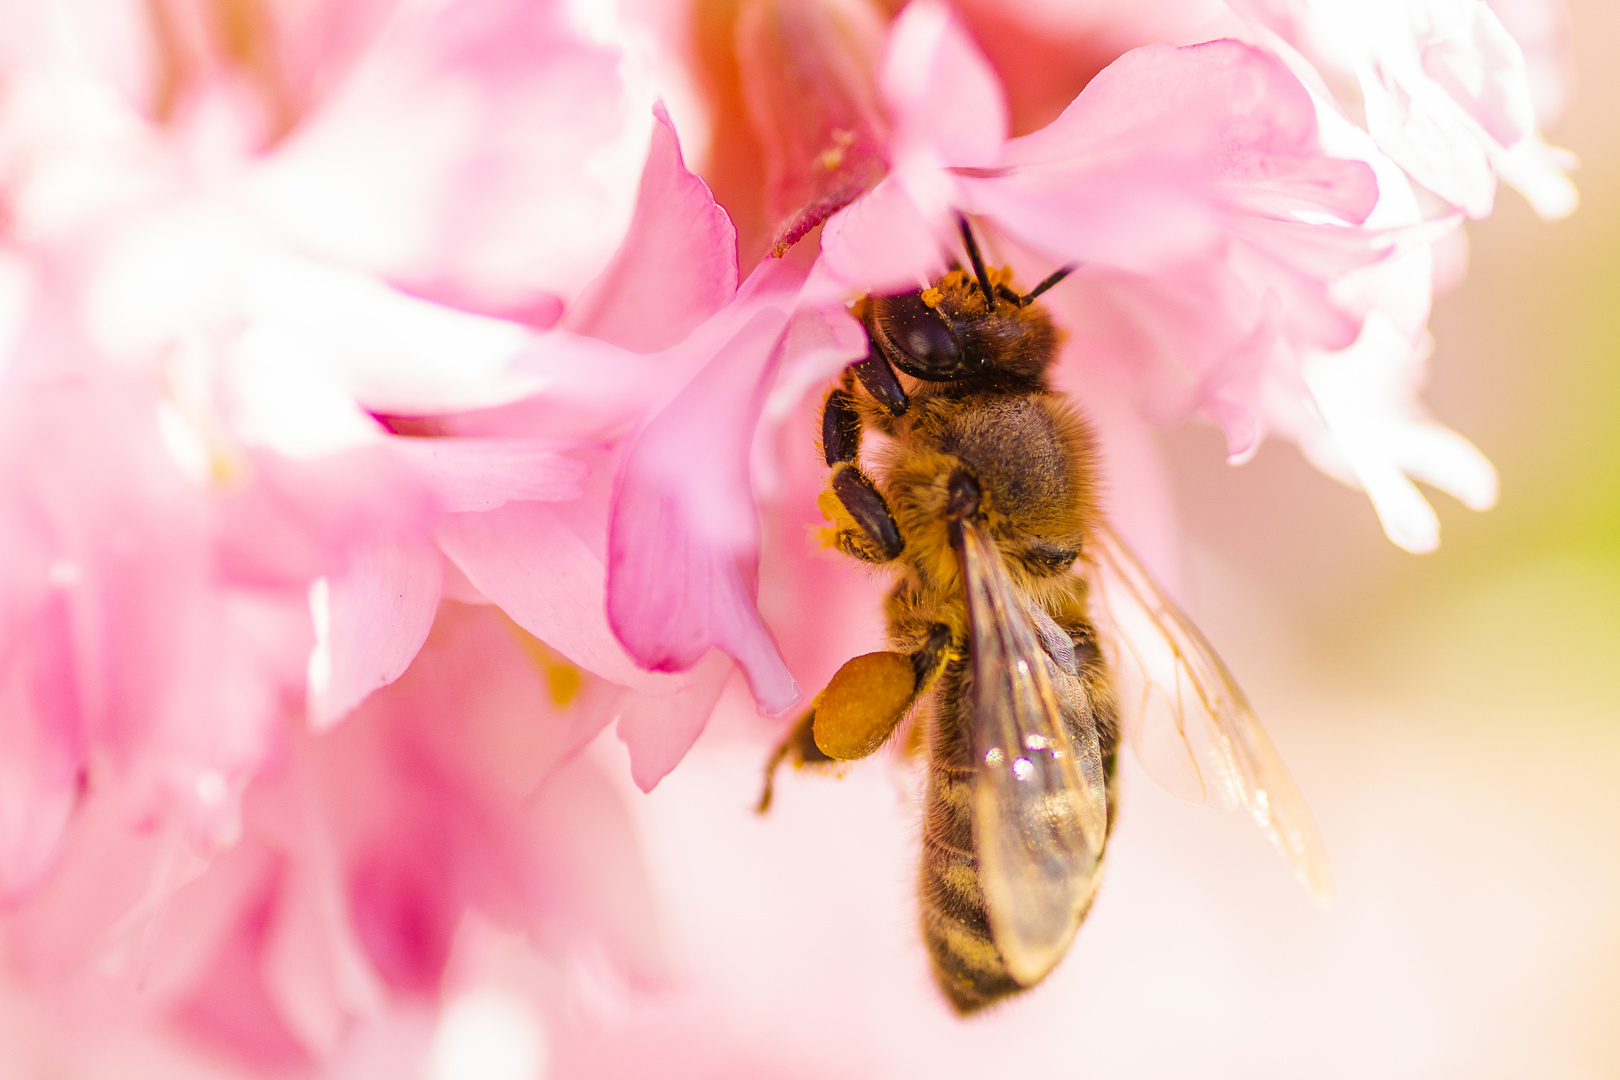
(1032, 629)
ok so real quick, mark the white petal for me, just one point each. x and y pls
(1374, 433)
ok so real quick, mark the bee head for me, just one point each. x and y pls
(949, 332)
(918, 338)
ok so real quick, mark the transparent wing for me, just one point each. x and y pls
(1040, 806)
(1188, 722)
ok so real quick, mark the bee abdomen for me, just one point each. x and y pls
(967, 965)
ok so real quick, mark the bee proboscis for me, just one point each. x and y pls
(1035, 633)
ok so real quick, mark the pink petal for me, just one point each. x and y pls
(405, 895)
(534, 309)
(590, 391)
(684, 537)
(168, 59)
(1541, 30)
(391, 833)
(582, 390)
(456, 789)
(297, 520)
(393, 352)
(580, 404)
(1242, 427)
(229, 1009)
(377, 614)
(1135, 216)
(515, 729)
(946, 103)
(677, 265)
(658, 731)
(105, 870)
(585, 880)
(230, 665)
(1150, 92)
(1171, 341)
(42, 722)
(219, 925)
(40, 752)
(313, 968)
(821, 342)
(481, 154)
(526, 559)
(881, 243)
(481, 474)
(1222, 113)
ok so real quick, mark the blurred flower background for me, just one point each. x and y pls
(224, 855)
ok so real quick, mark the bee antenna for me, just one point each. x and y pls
(979, 271)
(1051, 279)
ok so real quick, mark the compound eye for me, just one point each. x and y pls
(920, 342)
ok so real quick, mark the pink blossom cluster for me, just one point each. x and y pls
(396, 393)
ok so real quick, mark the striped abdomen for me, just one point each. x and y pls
(968, 967)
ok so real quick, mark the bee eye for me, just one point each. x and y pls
(920, 342)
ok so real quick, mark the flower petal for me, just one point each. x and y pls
(1161, 146)
(370, 620)
(582, 868)
(881, 243)
(1372, 433)
(392, 352)
(1446, 90)
(658, 731)
(298, 519)
(946, 103)
(314, 970)
(677, 265)
(684, 537)
(40, 755)
(484, 153)
(820, 343)
(469, 474)
(526, 559)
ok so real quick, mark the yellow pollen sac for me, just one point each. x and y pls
(863, 703)
(833, 510)
(932, 297)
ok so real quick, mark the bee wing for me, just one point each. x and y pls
(1189, 723)
(1040, 807)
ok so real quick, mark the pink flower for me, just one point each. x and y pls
(385, 412)
(220, 536)
(344, 901)
(481, 154)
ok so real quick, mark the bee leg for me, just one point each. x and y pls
(928, 661)
(861, 707)
(865, 528)
(799, 747)
(862, 523)
(840, 428)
